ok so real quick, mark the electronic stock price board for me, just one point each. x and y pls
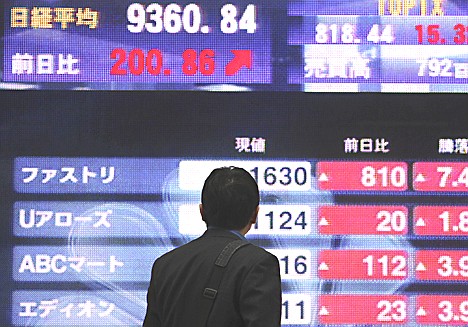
(415, 46)
(363, 201)
(363, 196)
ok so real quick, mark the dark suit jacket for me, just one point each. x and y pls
(249, 295)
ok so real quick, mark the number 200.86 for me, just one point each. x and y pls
(138, 62)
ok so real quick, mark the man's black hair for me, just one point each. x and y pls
(229, 198)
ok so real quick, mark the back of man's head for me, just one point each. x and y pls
(229, 198)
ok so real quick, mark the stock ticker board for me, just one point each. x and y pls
(341, 263)
(365, 210)
(409, 46)
(363, 194)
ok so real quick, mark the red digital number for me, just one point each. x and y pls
(363, 264)
(363, 220)
(362, 176)
(437, 176)
(362, 309)
(194, 63)
(442, 265)
(137, 62)
(121, 56)
(447, 220)
(442, 309)
(433, 34)
(460, 37)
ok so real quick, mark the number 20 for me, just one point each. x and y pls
(391, 221)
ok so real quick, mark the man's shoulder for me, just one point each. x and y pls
(200, 245)
(180, 250)
(255, 252)
(209, 246)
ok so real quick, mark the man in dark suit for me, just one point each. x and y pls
(249, 294)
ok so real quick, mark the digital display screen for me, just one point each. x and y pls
(363, 200)
(350, 115)
(403, 46)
